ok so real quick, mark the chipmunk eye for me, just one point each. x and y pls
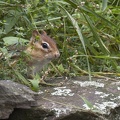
(45, 45)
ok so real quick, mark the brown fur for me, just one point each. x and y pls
(40, 56)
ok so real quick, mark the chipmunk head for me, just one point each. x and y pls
(42, 47)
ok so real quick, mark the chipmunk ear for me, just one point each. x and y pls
(35, 36)
(43, 33)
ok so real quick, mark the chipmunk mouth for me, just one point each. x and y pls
(56, 54)
(52, 56)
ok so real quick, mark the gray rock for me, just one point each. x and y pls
(76, 99)
(14, 95)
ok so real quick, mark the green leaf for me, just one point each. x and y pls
(118, 69)
(61, 68)
(104, 4)
(11, 20)
(35, 84)
(13, 40)
(4, 50)
(5, 53)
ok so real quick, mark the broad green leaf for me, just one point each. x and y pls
(118, 69)
(5, 53)
(35, 84)
(4, 50)
(12, 20)
(61, 68)
(13, 40)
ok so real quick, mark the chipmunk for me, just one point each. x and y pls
(41, 49)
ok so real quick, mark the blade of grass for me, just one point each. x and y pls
(97, 38)
(89, 104)
(23, 80)
(85, 9)
(91, 48)
(78, 30)
(104, 4)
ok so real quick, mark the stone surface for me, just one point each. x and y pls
(76, 99)
(14, 95)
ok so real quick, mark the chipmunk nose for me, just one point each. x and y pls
(57, 54)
